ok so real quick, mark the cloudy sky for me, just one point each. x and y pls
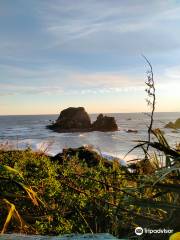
(60, 53)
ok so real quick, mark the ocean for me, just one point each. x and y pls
(30, 130)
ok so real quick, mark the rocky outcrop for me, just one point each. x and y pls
(87, 155)
(90, 157)
(175, 125)
(72, 120)
(131, 131)
(77, 120)
(104, 123)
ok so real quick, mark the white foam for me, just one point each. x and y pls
(53, 148)
(111, 158)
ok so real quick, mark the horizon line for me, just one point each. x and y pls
(43, 114)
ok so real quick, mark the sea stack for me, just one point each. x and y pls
(72, 120)
(104, 124)
(77, 120)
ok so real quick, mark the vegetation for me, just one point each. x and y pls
(74, 197)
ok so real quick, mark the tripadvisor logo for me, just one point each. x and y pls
(140, 231)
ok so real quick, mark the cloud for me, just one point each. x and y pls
(173, 72)
(52, 80)
(108, 79)
(31, 74)
(13, 90)
(112, 26)
(43, 29)
(5, 94)
(15, 80)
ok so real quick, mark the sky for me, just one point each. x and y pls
(60, 53)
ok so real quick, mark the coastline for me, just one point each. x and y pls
(21, 132)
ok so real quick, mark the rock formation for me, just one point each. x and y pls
(175, 125)
(104, 123)
(131, 131)
(84, 154)
(77, 120)
(87, 155)
(72, 120)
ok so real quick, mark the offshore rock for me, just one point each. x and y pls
(175, 125)
(72, 120)
(131, 131)
(104, 123)
(77, 120)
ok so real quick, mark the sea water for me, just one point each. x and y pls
(30, 130)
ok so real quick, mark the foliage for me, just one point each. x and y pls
(158, 175)
(12, 188)
(158, 184)
(74, 197)
(151, 100)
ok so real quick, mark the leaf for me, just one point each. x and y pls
(10, 170)
(167, 171)
(160, 136)
(168, 187)
(12, 213)
(147, 203)
(137, 146)
(32, 195)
